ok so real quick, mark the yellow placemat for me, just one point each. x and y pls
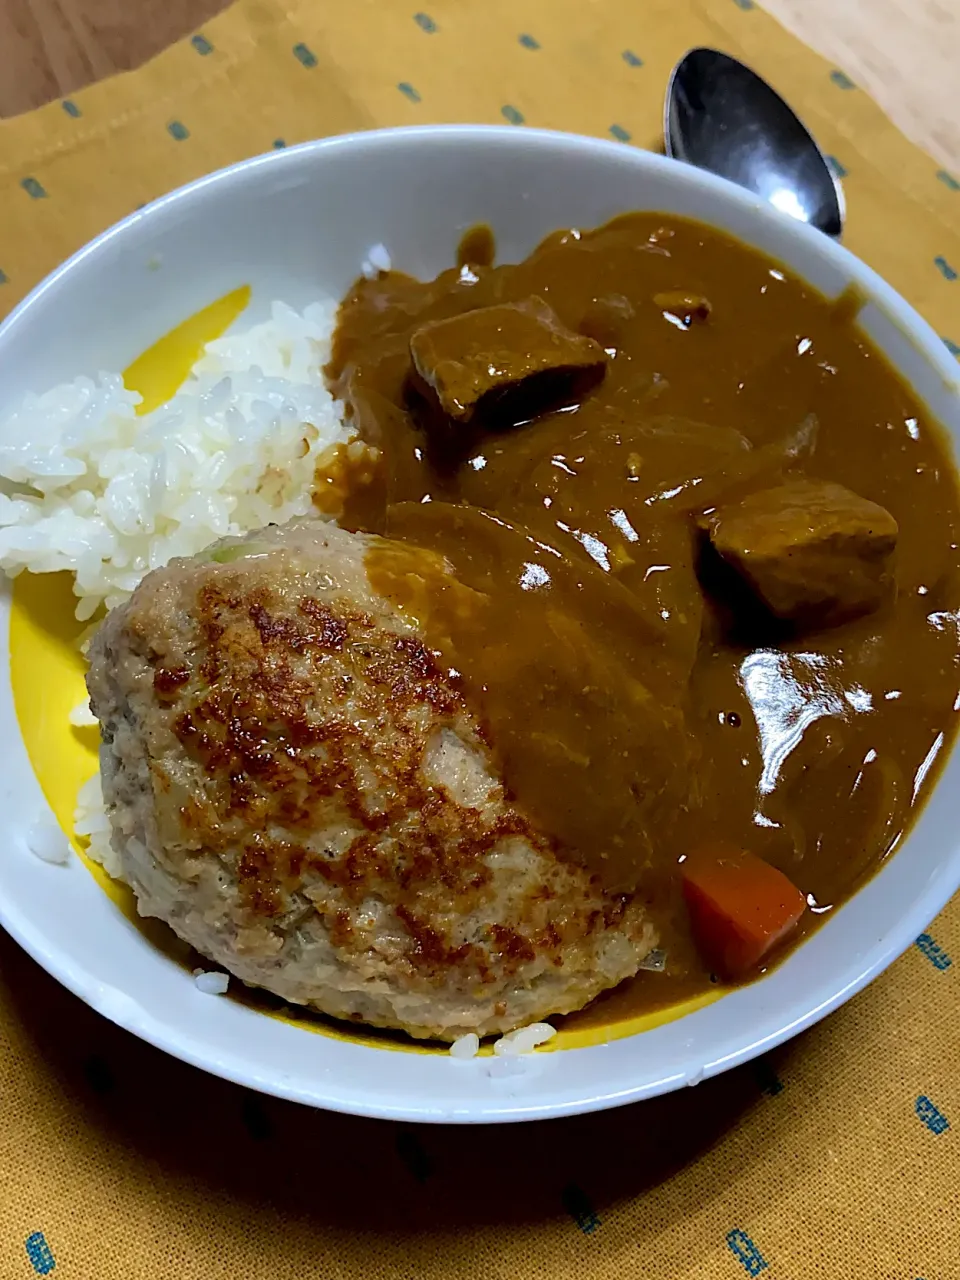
(832, 1158)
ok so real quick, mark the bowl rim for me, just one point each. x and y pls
(827, 995)
(907, 317)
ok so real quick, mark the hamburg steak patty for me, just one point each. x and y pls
(301, 792)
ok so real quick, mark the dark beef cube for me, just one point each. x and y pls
(814, 553)
(504, 364)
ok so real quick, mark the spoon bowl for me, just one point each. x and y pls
(719, 115)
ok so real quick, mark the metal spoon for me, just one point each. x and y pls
(719, 115)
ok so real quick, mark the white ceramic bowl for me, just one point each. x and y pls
(296, 224)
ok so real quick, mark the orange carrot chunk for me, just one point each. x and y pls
(740, 908)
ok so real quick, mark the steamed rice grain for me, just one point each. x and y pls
(211, 982)
(87, 485)
(513, 1044)
(524, 1040)
(81, 717)
(465, 1047)
(47, 842)
(376, 261)
(90, 823)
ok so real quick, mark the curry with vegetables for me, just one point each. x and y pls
(714, 538)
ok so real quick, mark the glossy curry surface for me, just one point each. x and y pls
(641, 706)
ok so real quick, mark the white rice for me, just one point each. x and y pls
(47, 842)
(522, 1041)
(211, 983)
(81, 717)
(377, 260)
(90, 821)
(87, 486)
(467, 1046)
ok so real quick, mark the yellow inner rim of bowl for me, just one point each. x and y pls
(47, 677)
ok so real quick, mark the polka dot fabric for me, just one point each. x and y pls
(837, 1156)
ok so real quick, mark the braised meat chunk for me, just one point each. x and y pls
(813, 552)
(504, 363)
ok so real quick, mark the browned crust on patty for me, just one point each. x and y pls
(278, 736)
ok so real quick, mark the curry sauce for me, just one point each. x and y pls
(641, 701)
